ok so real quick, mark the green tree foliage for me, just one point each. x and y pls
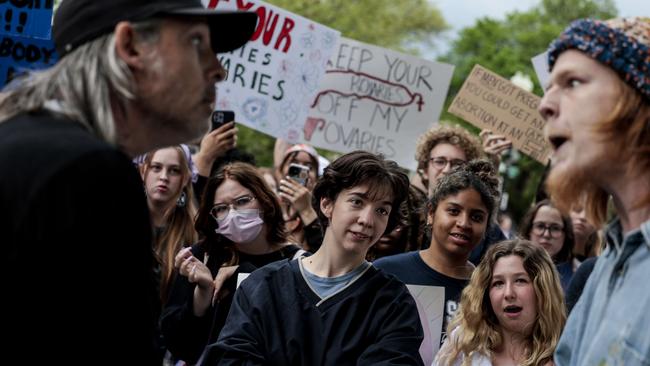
(386, 23)
(507, 46)
(398, 25)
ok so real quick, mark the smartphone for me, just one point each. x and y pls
(299, 173)
(219, 118)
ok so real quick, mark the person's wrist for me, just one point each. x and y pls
(308, 215)
(204, 285)
(203, 163)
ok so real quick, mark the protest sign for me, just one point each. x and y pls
(377, 100)
(491, 102)
(540, 64)
(19, 54)
(26, 18)
(430, 301)
(273, 79)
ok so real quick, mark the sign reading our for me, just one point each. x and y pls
(491, 102)
(377, 100)
(273, 79)
(19, 54)
(26, 18)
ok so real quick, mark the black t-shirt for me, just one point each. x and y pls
(411, 269)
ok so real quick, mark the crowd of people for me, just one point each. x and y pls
(127, 245)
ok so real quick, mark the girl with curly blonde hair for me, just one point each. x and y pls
(512, 311)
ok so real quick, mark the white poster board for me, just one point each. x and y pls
(377, 100)
(273, 78)
(430, 301)
(540, 64)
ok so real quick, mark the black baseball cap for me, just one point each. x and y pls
(79, 21)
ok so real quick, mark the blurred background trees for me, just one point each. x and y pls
(506, 47)
(503, 46)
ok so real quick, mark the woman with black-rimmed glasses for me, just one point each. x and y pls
(242, 229)
(545, 225)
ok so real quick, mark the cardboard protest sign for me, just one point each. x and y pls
(540, 64)
(430, 301)
(20, 54)
(26, 18)
(491, 102)
(378, 100)
(273, 79)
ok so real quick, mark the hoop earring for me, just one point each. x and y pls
(182, 200)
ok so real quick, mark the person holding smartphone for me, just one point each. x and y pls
(221, 138)
(217, 149)
(333, 307)
(298, 173)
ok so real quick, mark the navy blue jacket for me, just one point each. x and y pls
(276, 319)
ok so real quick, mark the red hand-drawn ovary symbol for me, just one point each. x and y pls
(364, 86)
(310, 126)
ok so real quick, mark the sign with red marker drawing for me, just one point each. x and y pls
(273, 79)
(489, 101)
(377, 100)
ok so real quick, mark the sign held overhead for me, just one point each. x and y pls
(489, 101)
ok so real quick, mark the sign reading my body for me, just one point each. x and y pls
(24, 52)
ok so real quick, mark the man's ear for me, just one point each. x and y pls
(127, 47)
(326, 207)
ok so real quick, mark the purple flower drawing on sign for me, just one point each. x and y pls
(328, 40)
(306, 80)
(285, 67)
(289, 113)
(255, 109)
(307, 40)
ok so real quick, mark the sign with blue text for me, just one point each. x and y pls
(19, 55)
(26, 18)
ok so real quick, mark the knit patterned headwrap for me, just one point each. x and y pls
(622, 44)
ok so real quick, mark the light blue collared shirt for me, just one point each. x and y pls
(610, 324)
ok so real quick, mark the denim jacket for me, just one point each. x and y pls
(610, 324)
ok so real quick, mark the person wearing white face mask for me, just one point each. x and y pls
(242, 227)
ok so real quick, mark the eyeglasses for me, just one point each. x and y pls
(441, 162)
(220, 211)
(555, 230)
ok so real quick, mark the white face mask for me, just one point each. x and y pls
(241, 226)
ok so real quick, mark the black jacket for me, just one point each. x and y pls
(77, 266)
(186, 335)
(276, 319)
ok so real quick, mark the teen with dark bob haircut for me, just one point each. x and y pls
(331, 308)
